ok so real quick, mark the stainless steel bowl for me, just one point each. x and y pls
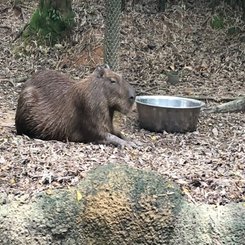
(168, 113)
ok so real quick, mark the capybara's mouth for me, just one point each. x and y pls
(128, 109)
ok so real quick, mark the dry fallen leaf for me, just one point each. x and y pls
(78, 195)
(215, 132)
(49, 191)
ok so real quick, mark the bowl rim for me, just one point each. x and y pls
(201, 103)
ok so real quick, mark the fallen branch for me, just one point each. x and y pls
(212, 98)
(237, 105)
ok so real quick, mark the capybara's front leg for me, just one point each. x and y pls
(115, 140)
(118, 134)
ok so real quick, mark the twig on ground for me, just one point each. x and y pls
(6, 27)
(21, 32)
(13, 81)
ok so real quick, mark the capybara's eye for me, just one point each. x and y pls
(113, 80)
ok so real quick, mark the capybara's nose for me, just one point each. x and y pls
(132, 95)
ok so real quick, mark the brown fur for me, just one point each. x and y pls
(53, 107)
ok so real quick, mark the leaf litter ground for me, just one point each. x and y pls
(207, 164)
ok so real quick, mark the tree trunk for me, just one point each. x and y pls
(116, 204)
(52, 21)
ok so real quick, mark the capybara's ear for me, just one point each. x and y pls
(107, 66)
(99, 71)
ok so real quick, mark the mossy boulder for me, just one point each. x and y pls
(116, 204)
(124, 203)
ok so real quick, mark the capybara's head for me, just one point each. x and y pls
(120, 94)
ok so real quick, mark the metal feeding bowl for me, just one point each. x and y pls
(168, 113)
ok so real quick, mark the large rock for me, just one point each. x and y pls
(116, 204)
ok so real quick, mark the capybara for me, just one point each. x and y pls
(52, 106)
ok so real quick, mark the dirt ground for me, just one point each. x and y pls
(208, 164)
